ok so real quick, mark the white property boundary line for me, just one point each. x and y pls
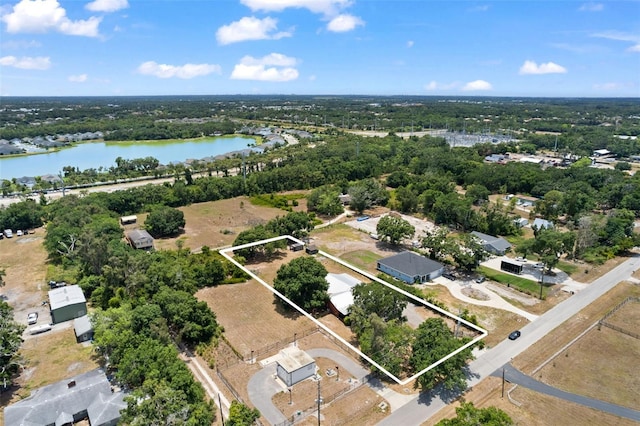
(483, 332)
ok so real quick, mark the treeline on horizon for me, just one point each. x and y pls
(582, 125)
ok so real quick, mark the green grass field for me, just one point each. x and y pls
(363, 259)
(521, 284)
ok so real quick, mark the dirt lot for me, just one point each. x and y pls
(250, 315)
(218, 223)
(586, 368)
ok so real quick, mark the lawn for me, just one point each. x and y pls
(362, 259)
(522, 284)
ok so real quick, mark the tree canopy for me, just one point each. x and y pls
(433, 341)
(394, 228)
(10, 341)
(468, 415)
(303, 281)
(164, 221)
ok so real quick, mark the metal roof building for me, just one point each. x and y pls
(67, 303)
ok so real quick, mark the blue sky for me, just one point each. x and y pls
(378, 47)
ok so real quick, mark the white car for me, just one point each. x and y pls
(32, 318)
(19, 233)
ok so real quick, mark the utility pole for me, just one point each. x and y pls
(544, 265)
(502, 383)
(319, 401)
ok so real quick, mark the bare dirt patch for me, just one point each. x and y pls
(588, 273)
(251, 316)
(474, 293)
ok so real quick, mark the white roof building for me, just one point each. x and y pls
(65, 296)
(341, 291)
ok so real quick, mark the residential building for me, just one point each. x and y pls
(87, 396)
(410, 267)
(495, 245)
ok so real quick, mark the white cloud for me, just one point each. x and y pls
(312, 77)
(343, 23)
(185, 71)
(591, 7)
(477, 85)
(107, 5)
(530, 67)
(620, 36)
(410, 44)
(20, 44)
(273, 67)
(325, 7)
(80, 78)
(26, 62)
(41, 16)
(250, 28)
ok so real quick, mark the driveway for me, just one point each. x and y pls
(512, 375)
(494, 301)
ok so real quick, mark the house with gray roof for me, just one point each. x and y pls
(140, 239)
(541, 223)
(86, 396)
(495, 245)
(83, 329)
(410, 267)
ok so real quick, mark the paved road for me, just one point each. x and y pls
(512, 375)
(422, 407)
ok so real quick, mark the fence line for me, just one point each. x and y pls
(278, 345)
(235, 394)
(326, 400)
(620, 305)
(620, 329)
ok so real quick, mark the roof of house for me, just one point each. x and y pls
(59, 402)
(541, 223)
(293, 358)
(498, 243)
(341, 291)
(65, 296)
(82, 325)
(139, 235)
(411, 263)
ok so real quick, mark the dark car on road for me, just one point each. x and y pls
(514, 335)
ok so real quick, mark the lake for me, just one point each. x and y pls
(100, 154)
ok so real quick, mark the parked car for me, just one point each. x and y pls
(449, 276)
(40, 329)
(56, 284)
(8, 233)
(19, 233)
(514, 335)
(480, 279)
(32, 318)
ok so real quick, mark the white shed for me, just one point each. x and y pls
(295, 365)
